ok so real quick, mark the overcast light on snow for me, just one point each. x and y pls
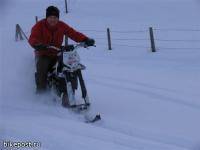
(148, 101)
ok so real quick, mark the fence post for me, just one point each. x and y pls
(21, 31)
(36, 19)
(18, 34)
(66, 7)
(153, 47)
(66, 40)
(109, 39)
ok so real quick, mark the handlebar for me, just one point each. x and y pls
(76, 46)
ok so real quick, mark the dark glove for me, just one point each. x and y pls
(40, 47)
(89, 42)
(67, 48)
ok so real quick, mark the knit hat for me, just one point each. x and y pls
(52, 11)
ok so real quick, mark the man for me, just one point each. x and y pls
(50, 31)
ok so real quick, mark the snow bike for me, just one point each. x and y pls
(64, 77)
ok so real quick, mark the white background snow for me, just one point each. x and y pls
(148, 101)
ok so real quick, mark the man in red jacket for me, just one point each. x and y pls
(50, 31)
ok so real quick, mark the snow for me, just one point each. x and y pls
(148, 101)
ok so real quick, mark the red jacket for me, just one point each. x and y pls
(42, 33)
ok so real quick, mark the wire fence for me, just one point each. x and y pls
(128, 38)
(118, 31)
(146, 38)
(177, 30)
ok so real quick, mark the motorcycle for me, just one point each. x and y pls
(64, 77)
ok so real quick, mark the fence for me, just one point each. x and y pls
(150, 37)
(132, 36)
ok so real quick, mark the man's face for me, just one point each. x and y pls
(52, 20)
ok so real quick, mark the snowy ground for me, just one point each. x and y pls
(148, 101)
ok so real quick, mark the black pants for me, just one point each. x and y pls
(43, 65)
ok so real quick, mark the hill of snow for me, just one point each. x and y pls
(148, 101)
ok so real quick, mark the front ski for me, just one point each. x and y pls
(85, 110)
